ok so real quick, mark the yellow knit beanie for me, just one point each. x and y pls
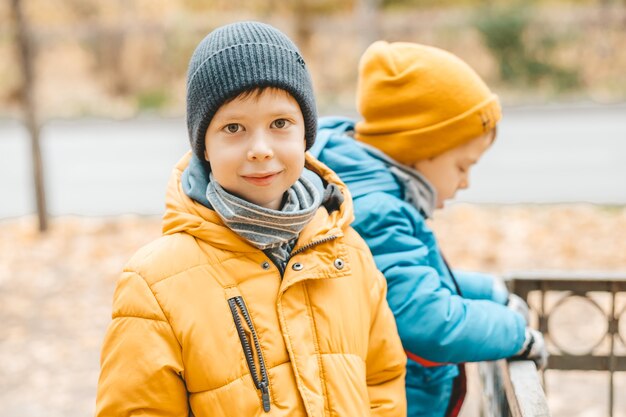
(419, 101)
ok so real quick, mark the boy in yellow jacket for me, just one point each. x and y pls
(259, 299)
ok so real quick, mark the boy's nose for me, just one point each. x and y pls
(260, 148)
(464, 184)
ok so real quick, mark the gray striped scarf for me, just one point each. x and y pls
(418, 192)
(273, 231)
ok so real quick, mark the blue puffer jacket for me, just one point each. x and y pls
(438, 326)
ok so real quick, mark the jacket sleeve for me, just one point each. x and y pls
(479, 286)
(141, 364)
(434, 323)
(386, 360)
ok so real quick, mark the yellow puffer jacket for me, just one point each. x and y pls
(204, 324)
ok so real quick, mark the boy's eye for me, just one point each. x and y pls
(233, 127)
(280, 123)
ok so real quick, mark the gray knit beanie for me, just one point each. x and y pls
(239, 57)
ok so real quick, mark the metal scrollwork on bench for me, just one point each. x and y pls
(581, 317)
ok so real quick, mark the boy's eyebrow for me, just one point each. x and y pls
(469, 159)
(242, 115)
(285, 108)
(229, 116)
(284, 112)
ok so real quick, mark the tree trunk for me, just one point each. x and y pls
(25, 47)
(367, 22)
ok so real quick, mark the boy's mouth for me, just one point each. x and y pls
(264, 178)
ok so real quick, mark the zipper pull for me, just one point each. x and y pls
(265, 396)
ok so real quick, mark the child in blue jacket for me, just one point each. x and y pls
(427, 119)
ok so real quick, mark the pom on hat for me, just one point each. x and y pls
(240, 57)
(419, 101)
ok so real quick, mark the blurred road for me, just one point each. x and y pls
(105, 167)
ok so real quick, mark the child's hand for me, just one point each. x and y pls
(517, 304)
(534, 349)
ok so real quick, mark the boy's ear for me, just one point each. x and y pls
(415, 165)
(206, 155)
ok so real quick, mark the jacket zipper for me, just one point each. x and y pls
(454, 281)
(261, 382)
(310, 245)
(305, 247)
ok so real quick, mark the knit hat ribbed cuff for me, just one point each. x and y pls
(409, 146)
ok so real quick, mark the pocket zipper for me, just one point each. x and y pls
(260, 382)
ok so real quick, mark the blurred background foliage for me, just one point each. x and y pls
(116, 58)
(525, 57)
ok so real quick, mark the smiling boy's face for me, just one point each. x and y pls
(255, 145)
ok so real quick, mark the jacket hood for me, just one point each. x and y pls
(183, 214)
(363, 170)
